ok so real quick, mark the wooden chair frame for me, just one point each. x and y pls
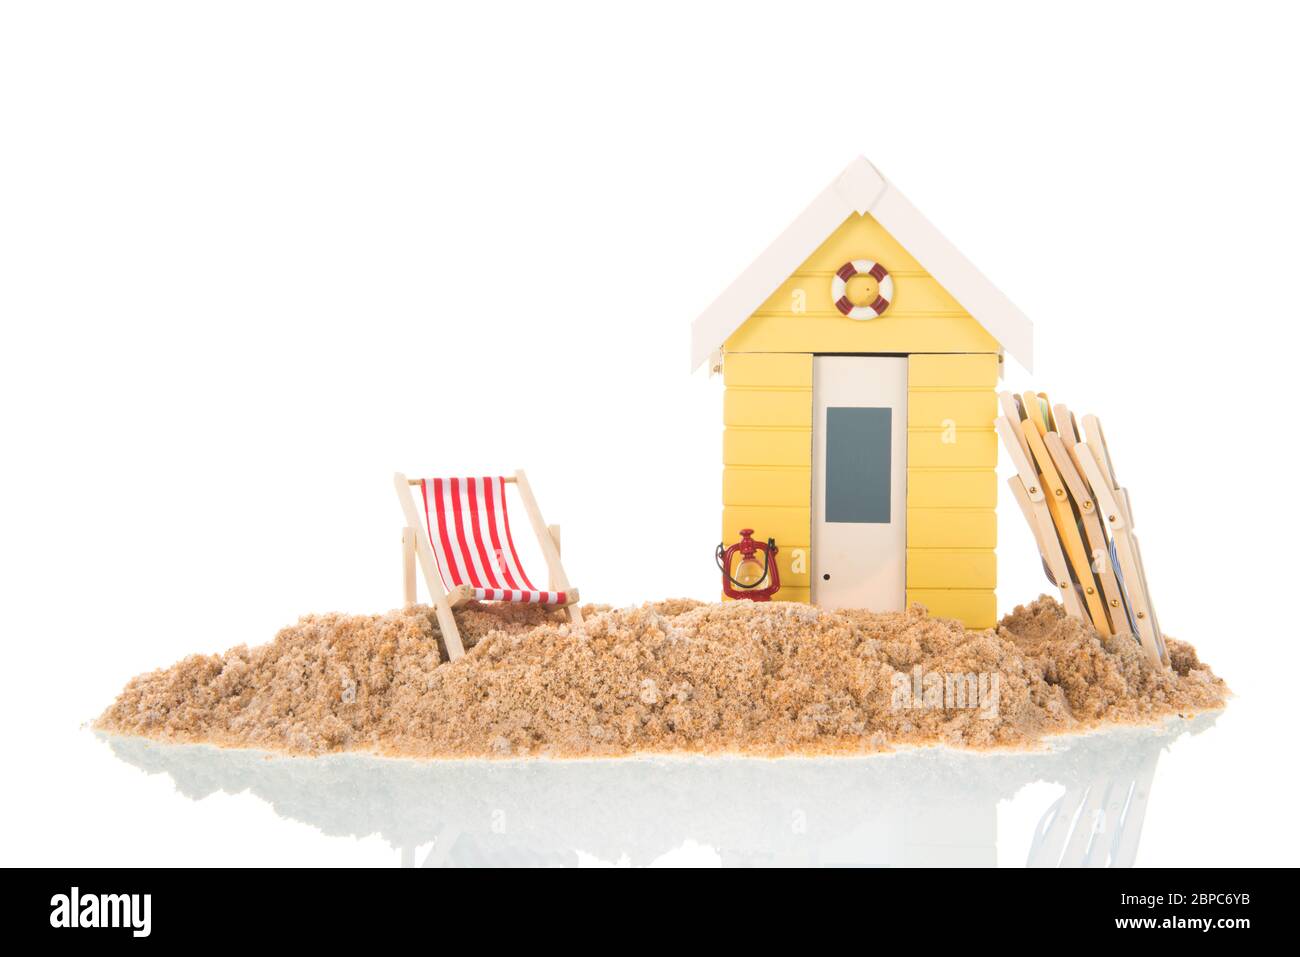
(417, 549)
(1066, 487)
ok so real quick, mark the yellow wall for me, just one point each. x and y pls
(952, 448)
(952, 490)
(767, 458)
(801, 316)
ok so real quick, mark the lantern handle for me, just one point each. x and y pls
(767, 557)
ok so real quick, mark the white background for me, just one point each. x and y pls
(254, 256)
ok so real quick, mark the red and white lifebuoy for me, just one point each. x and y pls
(864, 267)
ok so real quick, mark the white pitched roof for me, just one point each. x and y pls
(861, 189)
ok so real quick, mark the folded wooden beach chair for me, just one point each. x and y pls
(458, 529)
(1081, 518)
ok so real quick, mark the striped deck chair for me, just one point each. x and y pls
(458, 529)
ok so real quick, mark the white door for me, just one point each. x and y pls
(859, 479)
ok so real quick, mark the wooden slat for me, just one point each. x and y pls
(861, 236)
(508, 479)
(951, 568)
(409, 539)
(1058, 504)
(969, 371)
(764, 408)
(952, 528)
(952, 488)
(555, 568)
(975, 608)
(1117, 522)
(429, 566)
(1027, 489)
(1095, 537)
(914, 292)
(788, 447)
(766, 486)
(956, 448)
(767, 370)
(888, 334)
(969, 409)
(791, 527)
(1039, 520)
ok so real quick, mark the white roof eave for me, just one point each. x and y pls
(861, 189)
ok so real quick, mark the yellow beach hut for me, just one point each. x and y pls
(860, 356)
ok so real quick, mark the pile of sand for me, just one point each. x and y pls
(773, 678)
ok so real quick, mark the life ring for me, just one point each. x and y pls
(866, 267)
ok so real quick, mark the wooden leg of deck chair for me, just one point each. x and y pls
(550, 547)
(429, 566)
(574, 612)
(408, 566)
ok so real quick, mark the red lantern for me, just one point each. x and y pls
(749, 574)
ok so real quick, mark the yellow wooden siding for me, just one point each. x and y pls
(952, 491)
(767, 458)
(949, 408)
(952, 528)
(914, 289)
(767, 408)
(973, 607)
(764, 486)
(800, 317)
(755, 446)
(952, 371)
(891, 333)
(952, 448)
(789, 525)
(952, 488)
(951, 568)
(767, 371)
(787, 559)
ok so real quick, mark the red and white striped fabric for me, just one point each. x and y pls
(470, 531)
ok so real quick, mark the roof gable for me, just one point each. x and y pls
(861, 189)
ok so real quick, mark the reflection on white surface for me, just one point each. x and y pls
(922, 807)
(1096, 823)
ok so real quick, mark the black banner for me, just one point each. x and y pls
(333, 907)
